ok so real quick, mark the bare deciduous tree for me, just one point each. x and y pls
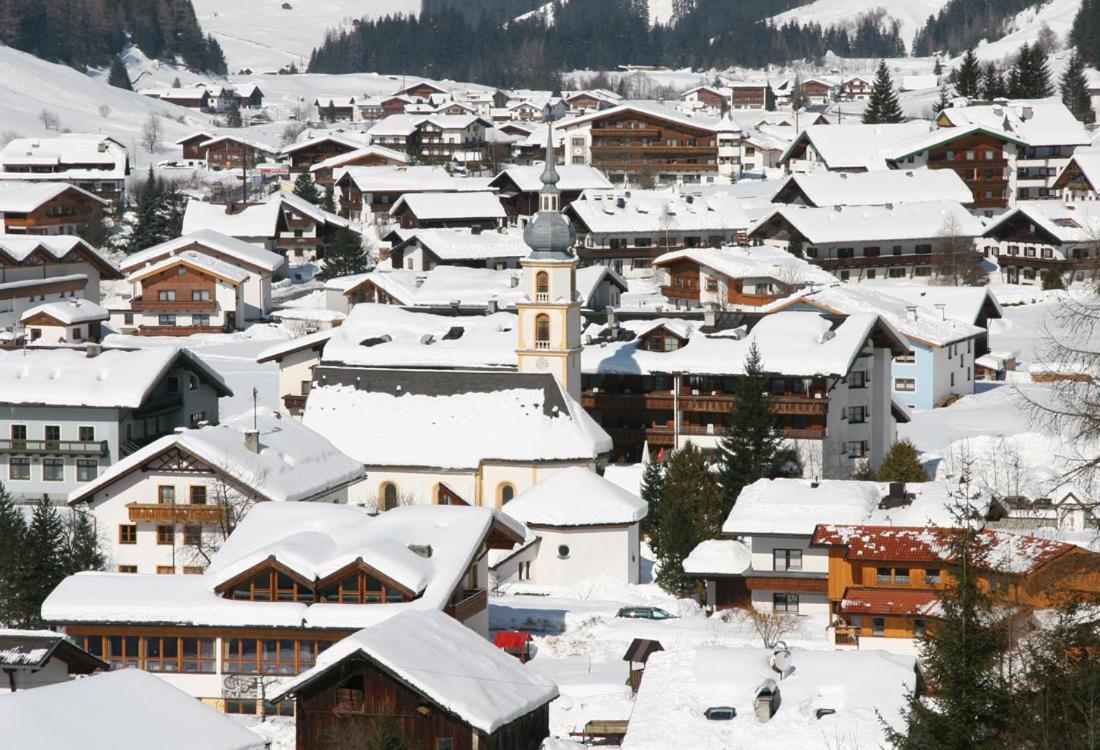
(770, 626)
(150, 134)
(49, 120)
(957, 263)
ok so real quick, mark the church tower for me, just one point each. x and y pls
(550, 313)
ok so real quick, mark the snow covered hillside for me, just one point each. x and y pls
(262, 35)
(660, 11)
(910, 14)
(1057, 14)
(29, 86)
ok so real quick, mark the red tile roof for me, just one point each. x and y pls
(872, 601)
(1002, 551)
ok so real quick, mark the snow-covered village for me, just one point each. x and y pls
(526, 375)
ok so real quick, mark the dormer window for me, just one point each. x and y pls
(272, 583)
(361, 584)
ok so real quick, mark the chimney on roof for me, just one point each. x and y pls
(766, 701)
(911, 314)
(513, 281)
(710, 316)
(92, 350)
(491, 307)
(942, 309)
(896, 497)
(252, 440)
(101, 147)
(1027, 113)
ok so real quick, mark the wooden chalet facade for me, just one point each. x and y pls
(228, 152)
(1075, 182)
(752, 96)
(980, 160)
(693, 283)
(185, 295)
(817, 92)
(1030, 241)
(642, 144)
(305, 155)
(370, 156)
(61, 209)
(191, 147)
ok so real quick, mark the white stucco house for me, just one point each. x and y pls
(579, 526)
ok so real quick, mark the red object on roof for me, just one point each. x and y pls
(517, 639)
(872, 601)
(1002, 551)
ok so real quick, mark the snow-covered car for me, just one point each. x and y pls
(645, 613)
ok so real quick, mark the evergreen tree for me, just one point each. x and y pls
(345, 255)
(45, 550)
(1029, 77)
(213, 57)
(902, 464)
(750, 448)
(1085, 33)
(961, 657)
(330, 112)
(653, 490)
(883, 105)
(944, 101)
(1052, 279)
(328, 202)
(146, 197)
(306, 189)
(863, 472)
(798, 101)
(937, 69)
(993, 83)
(384, 733)
(233, 115)
(690, 512)
(1075, 88)
(118, 76)
(83, 548)
(12, 531)
(968, 79)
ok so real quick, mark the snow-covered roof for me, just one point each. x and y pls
(294, 463)
(360, 153)
(450, 206)
(743, 262)
(256, 145)
(406, 124)
(900, 221)
(19, 198)
(644, 107)
(797, 506)
(656, 211)
(446, 661)
(918, 322)
(251, 221)
(112, 378)
(248, 254)
(791, 343)
(576, 496)
(315, 540)
(351, 140)
(69, 311)
(855, 145)
(415, 179)
(106, 157)
(1088, 161)
(106, 720)
(446, 285)
(466, 244)
(1036, 122)
(19, 248)
(303, 207)
(590, 277)
(877, 188)
(1078, 221)
(963, 303)
(867, 690)
(570, 177)
(456, 419)
(195, 260)
(729, 557)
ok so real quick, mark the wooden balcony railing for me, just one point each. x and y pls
(55, 447)
(474, 601)
(174, 306)
(294, 404)
(175, 513)
(846, 635)
(177, 330)
(681, 292)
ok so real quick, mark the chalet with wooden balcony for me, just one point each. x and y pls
(416, 665)
(827, 382)
(95, 163)
(367, 156)
(185, 294)
(48, 208)
(735, 277)
(519, 186)
(884, 580)
(856, 89)
(70, 414)
(751, 95)
(644, 143)
(1079, 180)
(257, 264)
(236, 152)
(420, 90)
(290, 580)
(713, 99)
(368, 193)
(335, 108)
(818, 91)
(305, 154)
(191, 148)
(628, 230)
(821, 189)
(1040, 237)
(581, 102)
(166, 507)
(67, 321)
(306, 230)
(849, 147)
(857, 243)
(474, 210)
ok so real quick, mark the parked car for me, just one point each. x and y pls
(645, 613)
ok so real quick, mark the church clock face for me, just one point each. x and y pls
(542, 364)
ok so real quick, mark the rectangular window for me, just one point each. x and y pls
(923, 249)
(787, 603)
(857, 379)
(198, 494)
(127, 569)
(857, 414)
(787, 559)
(882, 575)
(878, 626)
(86, 434)
(192, 570)
(86, 469)
(166, 494)
(200, 295)
(932, 576)
(192, 535)
(200, 320)
(122, 651)
(901, 575)
(919, 628)
(53, 469)
(19, 467)
(166, 535)
(127, 533)
(165, 570)
(19, 432)
(166, 319)
(166, 295)
(52, 432)
(905, 385)
(444, 743)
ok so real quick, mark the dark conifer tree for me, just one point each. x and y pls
(328, 201)
(1075, 88)
(306, 189)
(653, 490)
(118, 77)
(883, 105)
(1085, 33)
(902, 464)
(233, 115)
(83, 550)
(45, 549)
(944, 101)
(690, 512)
(12, 531)
(344, 255)
(749, 450)
(993, 83)
(968, 77)
(146, 197)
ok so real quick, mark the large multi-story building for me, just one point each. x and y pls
(94, 163)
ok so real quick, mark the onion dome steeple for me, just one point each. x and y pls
(549, 234)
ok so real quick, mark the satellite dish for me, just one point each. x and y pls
(781, 658)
